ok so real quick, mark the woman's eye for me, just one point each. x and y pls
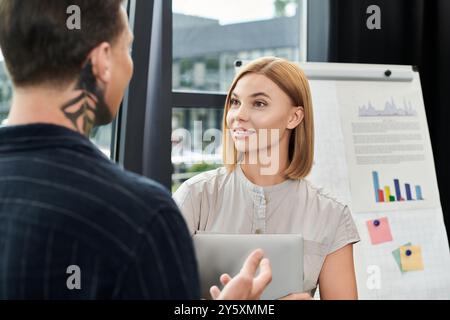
(234, 102)
(260, 104)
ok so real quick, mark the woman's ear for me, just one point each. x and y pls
(100, 58)
(297, 116)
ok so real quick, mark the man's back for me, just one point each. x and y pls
(64, 206)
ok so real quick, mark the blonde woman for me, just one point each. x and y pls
(268, 116)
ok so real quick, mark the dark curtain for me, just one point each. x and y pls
(413, 32)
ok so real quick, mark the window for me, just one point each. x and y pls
(102, 137)
(208, 37)
(196, 142)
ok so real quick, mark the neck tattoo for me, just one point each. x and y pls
(88, 109)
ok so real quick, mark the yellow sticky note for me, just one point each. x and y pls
(411, 258)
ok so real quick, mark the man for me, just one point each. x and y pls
(72, 224)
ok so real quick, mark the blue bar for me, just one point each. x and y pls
(397, 190)
(376, 185)
(408, 192)
(419, 193)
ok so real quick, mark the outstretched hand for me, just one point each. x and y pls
(245, 286)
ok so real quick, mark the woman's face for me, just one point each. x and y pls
(261, 115)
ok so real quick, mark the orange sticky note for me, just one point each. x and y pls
(411, 258)
(379, 230)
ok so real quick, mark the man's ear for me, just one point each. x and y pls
(100, 58)
(296, 118)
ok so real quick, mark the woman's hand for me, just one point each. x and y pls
(298, 296)
(245, 286)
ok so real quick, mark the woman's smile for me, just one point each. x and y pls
(242, 133)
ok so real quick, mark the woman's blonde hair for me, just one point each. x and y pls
(293, 81)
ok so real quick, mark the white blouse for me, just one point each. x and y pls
(221, 202)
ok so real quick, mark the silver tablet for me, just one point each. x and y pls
(225, 253)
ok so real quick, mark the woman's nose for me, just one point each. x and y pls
(242, 113)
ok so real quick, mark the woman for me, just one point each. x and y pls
(268, 143)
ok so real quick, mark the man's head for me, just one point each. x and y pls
(40, 49)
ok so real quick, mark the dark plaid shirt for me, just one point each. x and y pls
(64, 205)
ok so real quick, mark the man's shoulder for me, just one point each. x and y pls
(143, 190)
(144, 187)
(142, 203)
(100, 178)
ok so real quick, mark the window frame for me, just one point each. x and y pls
(143, 125)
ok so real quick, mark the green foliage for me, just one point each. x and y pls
(212, 64)
(186, 65)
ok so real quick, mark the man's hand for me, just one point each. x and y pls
(245, 286)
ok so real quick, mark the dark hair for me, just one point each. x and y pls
(37, 45)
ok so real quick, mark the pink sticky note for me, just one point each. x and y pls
(379, 230)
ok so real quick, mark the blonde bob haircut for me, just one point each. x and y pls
(292, 80)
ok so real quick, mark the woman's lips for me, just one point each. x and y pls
(242, 133)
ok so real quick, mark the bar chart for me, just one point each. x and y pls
(387, 194)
